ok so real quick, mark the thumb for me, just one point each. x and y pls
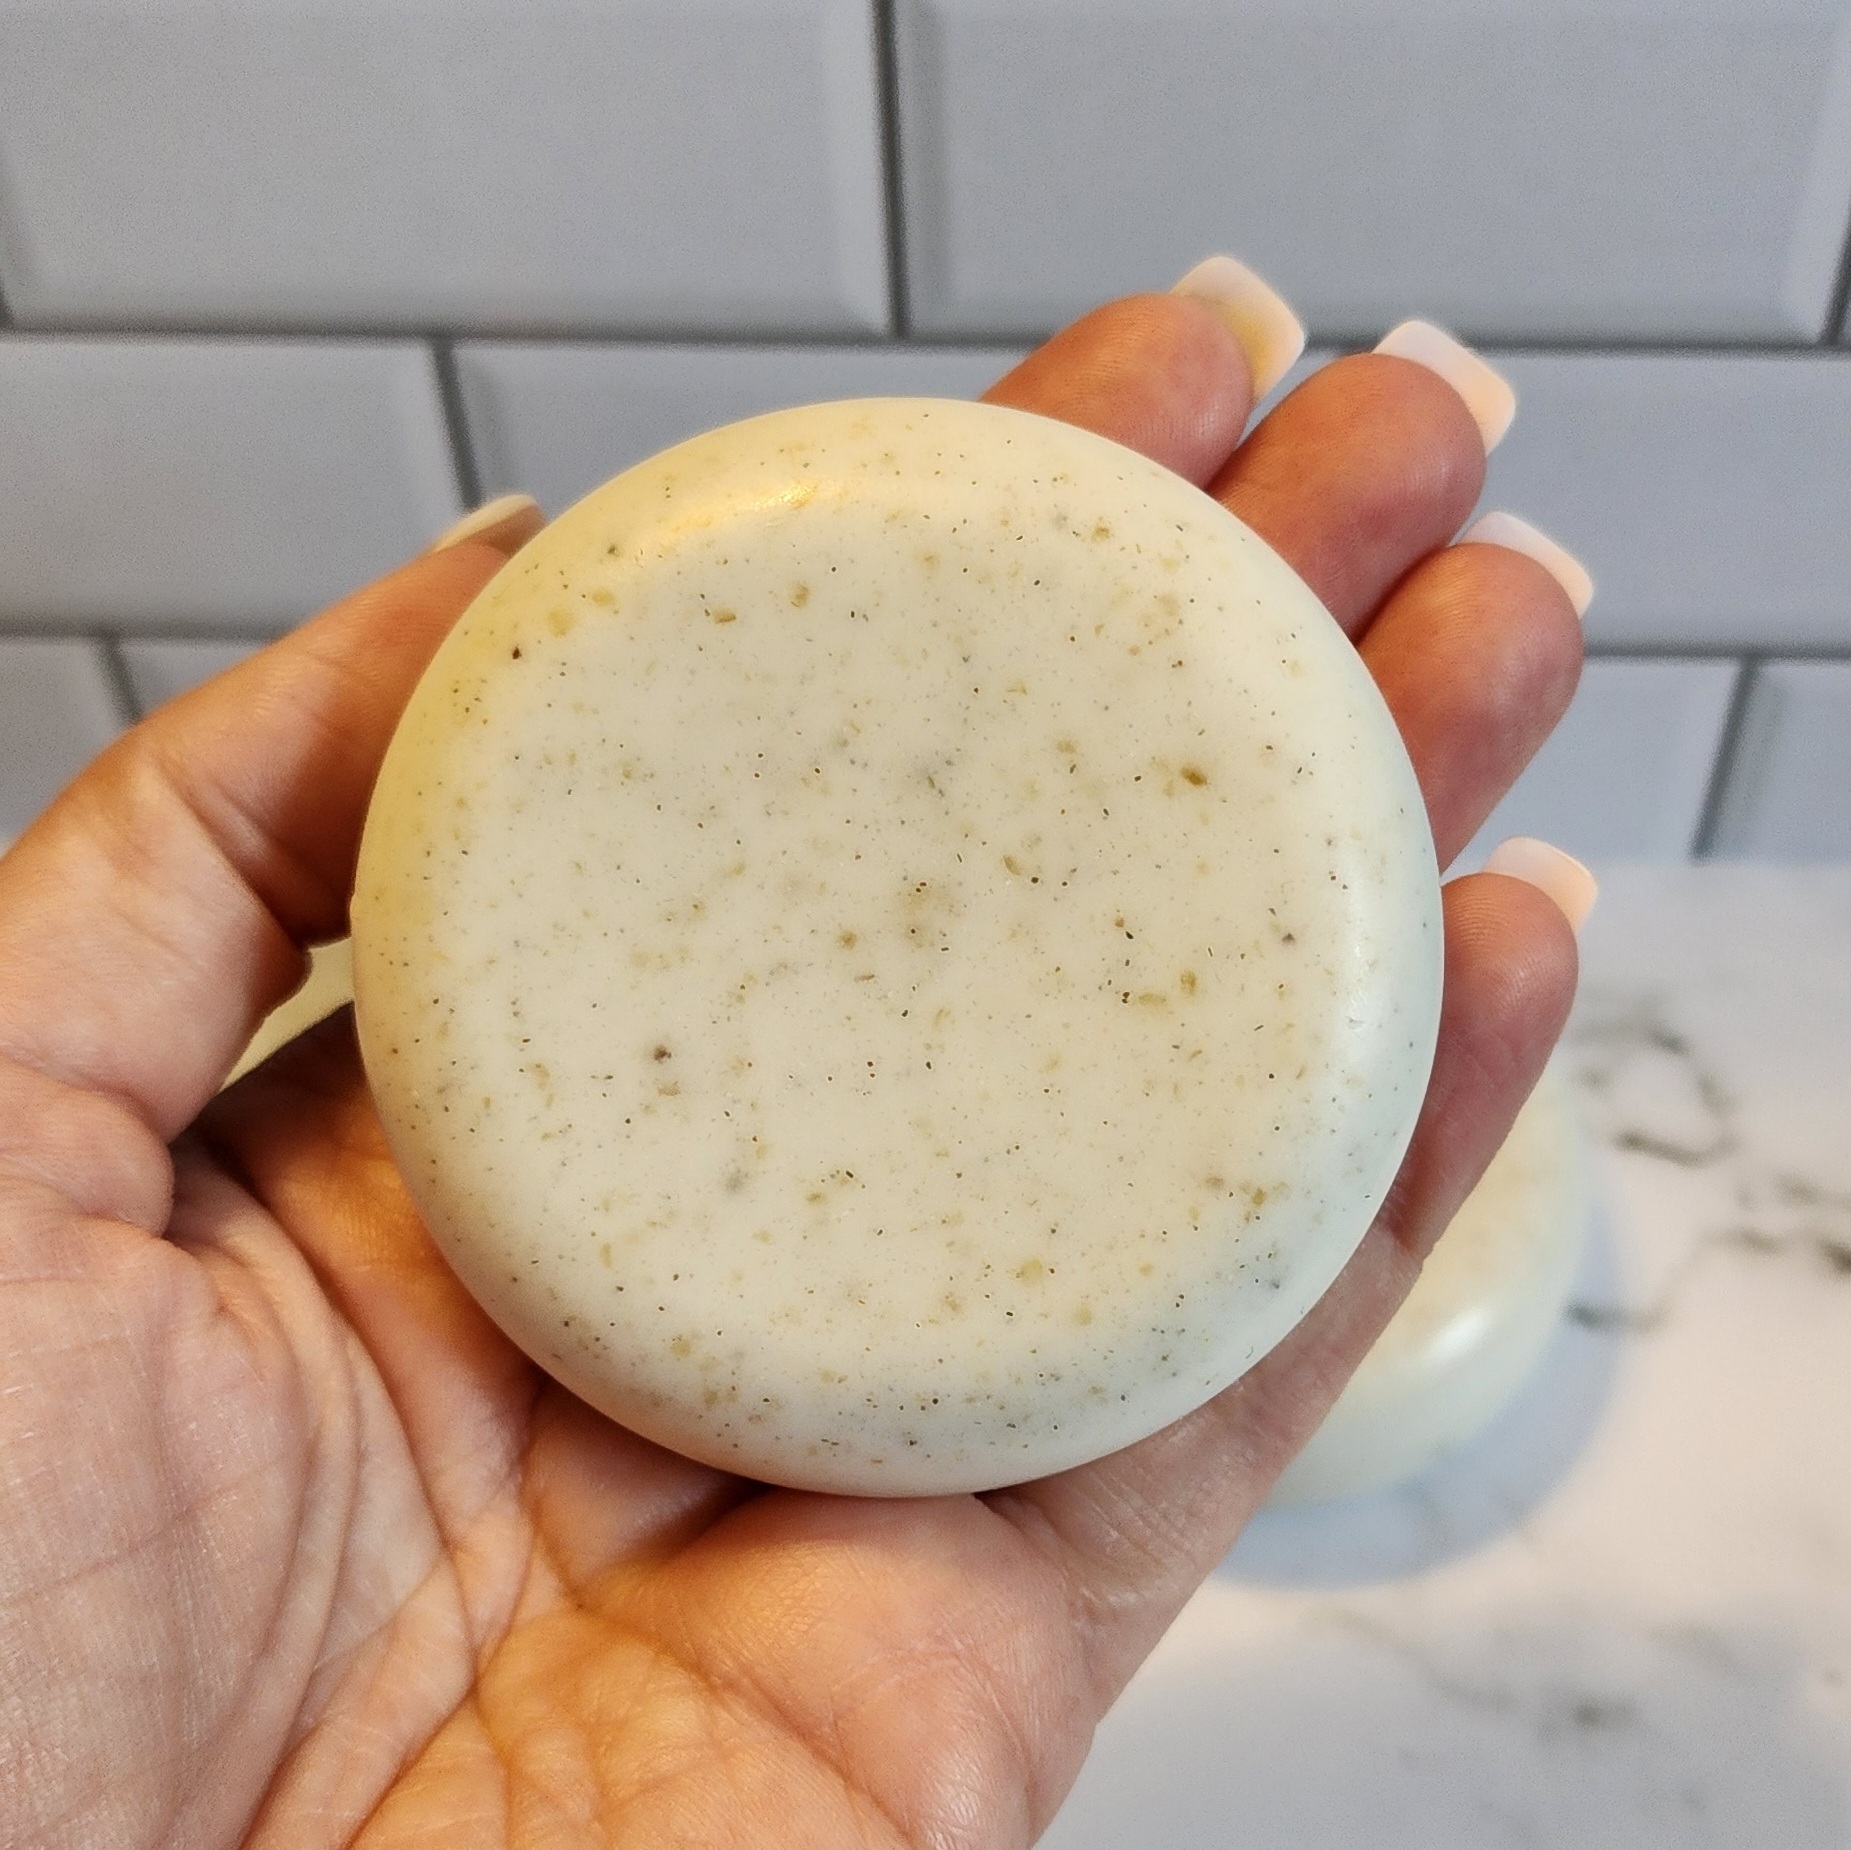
(157, 911)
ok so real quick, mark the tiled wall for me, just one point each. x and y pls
(285, 287)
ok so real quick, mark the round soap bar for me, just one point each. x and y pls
(1476, 1323)
(897, 947)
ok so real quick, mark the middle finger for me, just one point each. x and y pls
(1371, 464)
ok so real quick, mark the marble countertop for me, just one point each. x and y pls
(1623, 1615)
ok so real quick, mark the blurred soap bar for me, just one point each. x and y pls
(1476, 1323)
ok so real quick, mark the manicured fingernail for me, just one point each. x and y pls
(1486, 392)
(507, 521)
(1559, 875)
(1256, 314)
(1516, 535)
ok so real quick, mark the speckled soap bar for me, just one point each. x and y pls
(897, 947)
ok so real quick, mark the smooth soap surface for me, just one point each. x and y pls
(1476, 1323)
(897, 947)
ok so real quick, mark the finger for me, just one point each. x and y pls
(1371, 463)
(1477, 652)
(1357, 478)
(1160, 374)
(1135, 1533)
(157, 911)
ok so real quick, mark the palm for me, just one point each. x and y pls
(519, 1612)
(311, 1553)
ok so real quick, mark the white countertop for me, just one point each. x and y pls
(1623, 1615)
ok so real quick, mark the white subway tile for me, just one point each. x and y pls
(511, 163)
(1789, 792)
(1671, 167)
(1624, 777)
(210, 485)
(1710, 495)
(159, 669)
(558, 420)
(58, 709)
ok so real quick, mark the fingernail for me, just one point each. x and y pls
(1256, 314)
(1559, 875)
(508, 521)
(1486, 392)
(1516, 535)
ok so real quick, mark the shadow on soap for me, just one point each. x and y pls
(1476, 1494)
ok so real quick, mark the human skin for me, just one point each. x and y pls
(297, 1549)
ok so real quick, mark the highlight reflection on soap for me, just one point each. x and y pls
(897, 947)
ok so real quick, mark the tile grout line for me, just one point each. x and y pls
(456, 422)
(12, 629)
(1328, 345)
(1763, 652)
(1722, 768)
(121, 684)
(1841, 295)
(887, 101)
(1759, 647)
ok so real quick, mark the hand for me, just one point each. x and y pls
(296, 1549)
